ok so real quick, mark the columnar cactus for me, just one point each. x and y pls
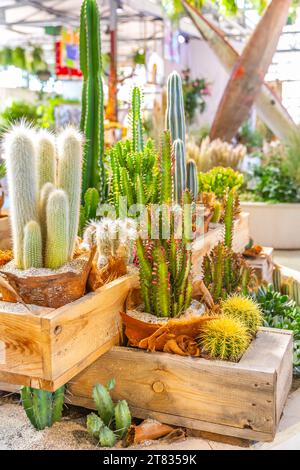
(69, 178)
(180, 182)
(92, 118)
(46, 155)
(43, 201)
(175, 118)
(33, 245)
(58, 230)
(192, 179)
(42, 408)
(136, 124)
(21, 173)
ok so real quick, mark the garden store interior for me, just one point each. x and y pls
(150, 221)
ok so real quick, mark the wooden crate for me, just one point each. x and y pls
(242, 399)
(45, 348)
(5, 235)
(205, 243)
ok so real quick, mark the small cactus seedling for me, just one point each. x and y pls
(224, 338)
(175, 116)
(112, 421)
(42, 408)
(244, 309)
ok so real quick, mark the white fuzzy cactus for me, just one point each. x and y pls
(57, 245)
(33, 246)
(21, 172)
(45, 159)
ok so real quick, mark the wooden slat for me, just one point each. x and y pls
(5, 233)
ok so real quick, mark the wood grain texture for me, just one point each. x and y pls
(238, 399)
(5, 232)
(48, 347)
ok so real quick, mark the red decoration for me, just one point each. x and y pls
(62, 70)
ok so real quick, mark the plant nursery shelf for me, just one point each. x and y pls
(243, 399)
(45, 348)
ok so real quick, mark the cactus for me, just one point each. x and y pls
(20, 164)
(104, 403)
(277, 279)
(33, 245)
(92, 118)
(217, 212)
(175, 117)
(69, 178)
(136, 121)
(122, 418)
(46, 163)
(224, 338)
(44, 196)
(57, 246)
(192, 179)
(244, 309)
(107, 437)
(180, 178)
(94, 423)
(42, 408)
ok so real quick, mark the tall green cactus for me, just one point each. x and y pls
(58, 230)
(180, 177)
(175, 117)
(33, 245)
(92, 117)
(21, 173)
(46, 154)
(192, 179)
(42, 408)
(69, 178)
(136, 121)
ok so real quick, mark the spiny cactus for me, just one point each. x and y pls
(217, 212)
(21, 173)
(192, 179)
(175, 117)
(69, 178)
(42, 408)
(44, 196)
(113, 421)
(136, 121)
(180, 179)
(224, 338)
(92, 117)
(88, 211)
(58, 230)
(46, 155)
(33, 245)
(244, 309)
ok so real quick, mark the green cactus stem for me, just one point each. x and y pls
(33, 247)
(175, 117)
(122, 418)
(42, 408)
(136, 121)
(192, 179)
(180, 180)
(46, 159)
(92, 118)
(104, 403)
(57, 246)
(44, 196)
(166, 190)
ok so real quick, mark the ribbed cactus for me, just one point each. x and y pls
(21, 173)
(92, 118)
(69, 178)
(46, 155)
(136, 121)
(175, 117)
(33, 245)
(44, 196)
(42, 408)
(180, 180)
(192, 179)
(57, 245)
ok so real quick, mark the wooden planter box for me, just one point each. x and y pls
(205, 243)
(242, 399)
(45, 348)
(5, 236)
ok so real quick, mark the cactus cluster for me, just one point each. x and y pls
(92, 116)
(112, 421)
(224, 338)
(44, 195)
(288, 286)
(42, 408)
(224, 271)
(185, 174)
(244, 309)
(134, 166)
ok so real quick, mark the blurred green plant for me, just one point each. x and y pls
(19, 110)
(219, 180)
(253, 139)
(194, 92)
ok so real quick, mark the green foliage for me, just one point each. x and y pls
(251, 138)
(219, 180)
(42, 408)
(19, 110)
(244, 309)
(2, 170)
(92, 117)
(194, 92)
(224, 338)
(281, 312)
(112, 421)
(89, 210)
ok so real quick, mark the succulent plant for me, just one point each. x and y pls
(244, 309)
(220, 180)
(58, 231)
(33, 245)
(175, 116)
(42, 408)
(46, 159)
(224, 338)
(180, 173)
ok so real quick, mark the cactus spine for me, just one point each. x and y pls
(20, 163)
(45, 159)
(180, 182)
(69, 179)
(192, 179)
(175, 118)
(92, 118)
(33, 245)
(57, 246)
